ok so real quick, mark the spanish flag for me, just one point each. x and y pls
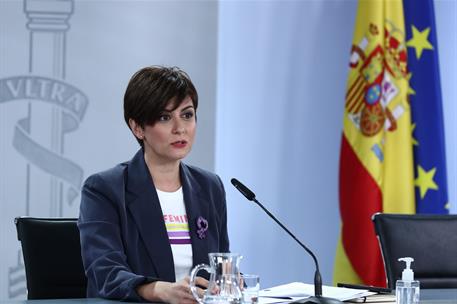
(392, 153)
(376, 160)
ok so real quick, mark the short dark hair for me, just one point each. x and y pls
(151, 89)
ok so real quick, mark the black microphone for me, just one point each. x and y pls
(318, 298)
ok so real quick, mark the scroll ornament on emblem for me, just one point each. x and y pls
(202, 225)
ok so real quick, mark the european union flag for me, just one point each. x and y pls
(427, 113)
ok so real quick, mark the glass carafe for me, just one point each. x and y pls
(224, 281)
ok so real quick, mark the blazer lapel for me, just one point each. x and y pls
(144, 205)
(196, 206)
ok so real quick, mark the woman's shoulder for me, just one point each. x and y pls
(111, 176)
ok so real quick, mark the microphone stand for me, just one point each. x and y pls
(317, 298)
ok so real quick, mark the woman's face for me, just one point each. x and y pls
(170, 139)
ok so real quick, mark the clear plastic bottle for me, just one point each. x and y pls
(407, 289)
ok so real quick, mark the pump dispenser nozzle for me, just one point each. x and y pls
(408, 274)
(406, 289)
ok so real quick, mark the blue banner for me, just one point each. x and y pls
(427, 112)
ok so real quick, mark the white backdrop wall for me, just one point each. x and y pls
(271, 78)
(282, 73)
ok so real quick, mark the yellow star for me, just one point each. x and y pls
(420, 41)
(410, 89)
(415, 142)
(425, 181)
(409, 76)
(447, 206)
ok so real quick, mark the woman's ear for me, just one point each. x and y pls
(137, 130)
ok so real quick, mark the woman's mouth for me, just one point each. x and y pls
(179, 144)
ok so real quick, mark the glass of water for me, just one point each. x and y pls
(250, 287)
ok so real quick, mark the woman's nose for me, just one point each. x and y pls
(178, 127)
(180, 130)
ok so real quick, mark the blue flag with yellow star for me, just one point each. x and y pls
(427, 113)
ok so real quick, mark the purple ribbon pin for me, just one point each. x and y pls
(202, 225)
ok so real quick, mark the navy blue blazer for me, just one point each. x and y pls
(124, 241)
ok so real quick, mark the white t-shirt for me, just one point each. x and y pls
(175, 217)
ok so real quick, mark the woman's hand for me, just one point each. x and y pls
(173, 293)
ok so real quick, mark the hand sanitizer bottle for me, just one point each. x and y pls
(407, 289)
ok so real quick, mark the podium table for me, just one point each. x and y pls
(427, 296)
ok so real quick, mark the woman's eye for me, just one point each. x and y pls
(188, 115)
(164, 117)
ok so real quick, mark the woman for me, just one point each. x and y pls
(145, 223)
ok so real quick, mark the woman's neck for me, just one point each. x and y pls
(165, 175)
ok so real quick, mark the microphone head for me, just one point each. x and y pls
(243, 189)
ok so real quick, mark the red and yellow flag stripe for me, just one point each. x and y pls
(376, 161)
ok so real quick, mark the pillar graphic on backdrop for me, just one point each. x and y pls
(54, 109)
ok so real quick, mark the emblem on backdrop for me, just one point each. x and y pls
(54, 109)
